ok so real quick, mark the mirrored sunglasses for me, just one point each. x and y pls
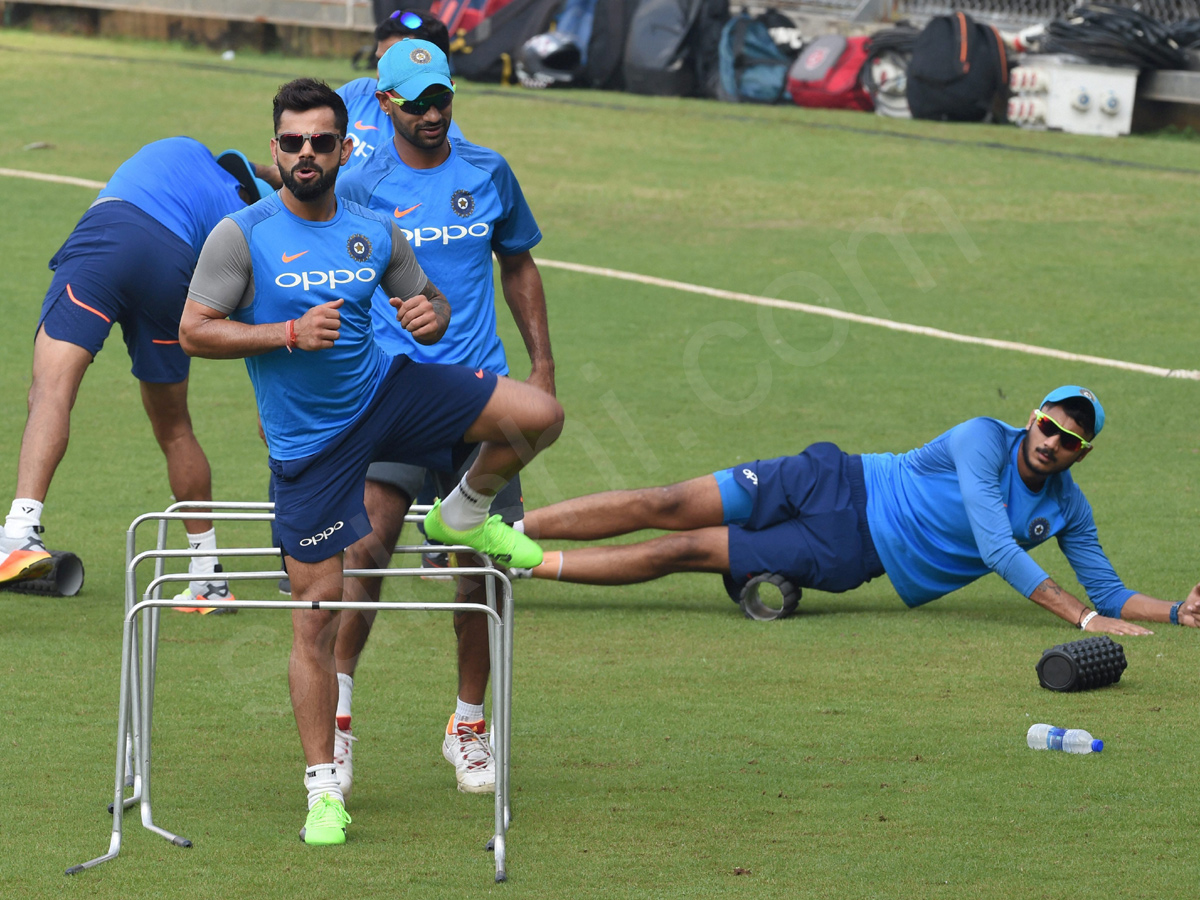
(1068, 440)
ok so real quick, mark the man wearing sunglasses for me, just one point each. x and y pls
(288, 285)
(974, 500)
(370, 126)
(128, 261)
(457, 204)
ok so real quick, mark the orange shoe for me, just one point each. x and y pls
(24, 558)
(190, 602)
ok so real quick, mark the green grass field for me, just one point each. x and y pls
(662, 742)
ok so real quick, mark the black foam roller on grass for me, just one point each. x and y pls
(1082, 665)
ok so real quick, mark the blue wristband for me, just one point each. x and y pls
(1175, 613)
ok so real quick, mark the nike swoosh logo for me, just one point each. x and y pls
(361, 127)
(401, 213)
(288, 259)
(479, 373)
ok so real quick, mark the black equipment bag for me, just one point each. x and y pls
(606, 49)
(485, 53)
(672, 47)
(958, 72)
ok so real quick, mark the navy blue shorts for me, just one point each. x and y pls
(418, 416)
(808, 523)
(121, 265)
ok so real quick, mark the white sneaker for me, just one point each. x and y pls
(469, 749)
(343, 759)
(24, 558)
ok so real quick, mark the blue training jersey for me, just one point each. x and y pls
(369, 125)
(949, 512)
(454, 216)
(178, 183)
(306, 399)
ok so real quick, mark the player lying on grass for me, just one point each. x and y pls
(287, 285)
(128, 260)
(974, 500)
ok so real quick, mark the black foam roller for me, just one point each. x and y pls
(754, 608)
(64, 580)
(1082, 665)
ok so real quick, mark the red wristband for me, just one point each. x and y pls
(289, 330)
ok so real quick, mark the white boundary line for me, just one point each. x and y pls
(1032, 350)
(56, 179)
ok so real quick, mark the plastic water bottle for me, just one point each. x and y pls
(1072, 740)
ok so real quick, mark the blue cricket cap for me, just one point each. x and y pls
(1073, 390)
(235, 163)
(410, 67)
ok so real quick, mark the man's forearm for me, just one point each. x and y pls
(1151, 609)
(1067, 607)
(526, 298)
(212, 338)
(1051, 597)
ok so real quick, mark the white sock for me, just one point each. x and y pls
(345, 690)
(206, 540)
(321, 779)
(464, 509)
(468, 712)
(22, 515)
(519, 525)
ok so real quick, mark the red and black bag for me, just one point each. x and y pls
(958, 71)
(826, 74)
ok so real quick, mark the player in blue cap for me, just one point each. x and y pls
(457, 204)
(128, 261)
(974, 500)
(369, 126)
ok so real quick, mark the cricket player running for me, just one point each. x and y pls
(287, 285)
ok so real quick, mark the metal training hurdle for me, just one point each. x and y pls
(136, 704)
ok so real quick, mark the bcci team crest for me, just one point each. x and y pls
(359, 247)
(462, 203)
(1039, 529)
(421, 56)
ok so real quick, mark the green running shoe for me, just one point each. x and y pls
(326, 823)
(499, 541)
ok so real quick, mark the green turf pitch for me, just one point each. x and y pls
(662, 742)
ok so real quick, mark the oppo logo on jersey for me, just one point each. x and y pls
(434, 234)
(330, 277)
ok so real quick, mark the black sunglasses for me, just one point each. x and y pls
(322, 141)
(419, 107)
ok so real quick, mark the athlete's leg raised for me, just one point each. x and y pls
(676, 507)
(517, 423)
